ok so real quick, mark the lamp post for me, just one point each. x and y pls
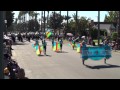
(98, 27)
(2, 28)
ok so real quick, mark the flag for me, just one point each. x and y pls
(36, 47)
(54, 46)
(38, 51)
(69, 44)
(41, 48)
(78, 48)
(33, 45)
(58, 46)
(48, 34)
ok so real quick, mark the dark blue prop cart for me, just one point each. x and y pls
(96, 53)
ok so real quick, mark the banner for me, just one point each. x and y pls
(48, 34)
(96, 53)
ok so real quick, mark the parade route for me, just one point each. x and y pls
(65, 65)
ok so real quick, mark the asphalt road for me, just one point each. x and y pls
(66, 65)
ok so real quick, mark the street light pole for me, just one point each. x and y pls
(98, 27)
(2, 28)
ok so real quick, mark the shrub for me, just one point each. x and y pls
(114, 36)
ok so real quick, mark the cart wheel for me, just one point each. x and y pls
(105, 60)
(83, 61)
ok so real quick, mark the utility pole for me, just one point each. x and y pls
(98, 27)
(41, 19)
(54, 23)
(67, 22)
(60, 26)
(119, 30)
(47, 19)
(44, 21)
(2, 28)
(76, 22)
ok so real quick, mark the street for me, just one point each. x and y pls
(65, 65)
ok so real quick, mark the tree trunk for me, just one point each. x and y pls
(59, 28)
(47, 19)
(2, 28)
(119, 26)
(54, 23)
(44, 21)
(41, 19)
(98, 27)
(76, 23)
(67, 21)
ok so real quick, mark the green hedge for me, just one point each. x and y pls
(94, 33)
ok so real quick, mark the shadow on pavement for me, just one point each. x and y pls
(49, 55)
(19, 44)
(45, 55)
(62, 52)
(103, 66)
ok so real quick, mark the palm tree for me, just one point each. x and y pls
(41, 19)
(119, 30)
(76, 21)
(20, 16)
(47, 19)
(98, 27)
(35, 14)
(30, 13)
(59, 28)
(67, 18)
(44, 21)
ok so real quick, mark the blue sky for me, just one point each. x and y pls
(89, 14)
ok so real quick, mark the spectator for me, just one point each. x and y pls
(21, 74)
